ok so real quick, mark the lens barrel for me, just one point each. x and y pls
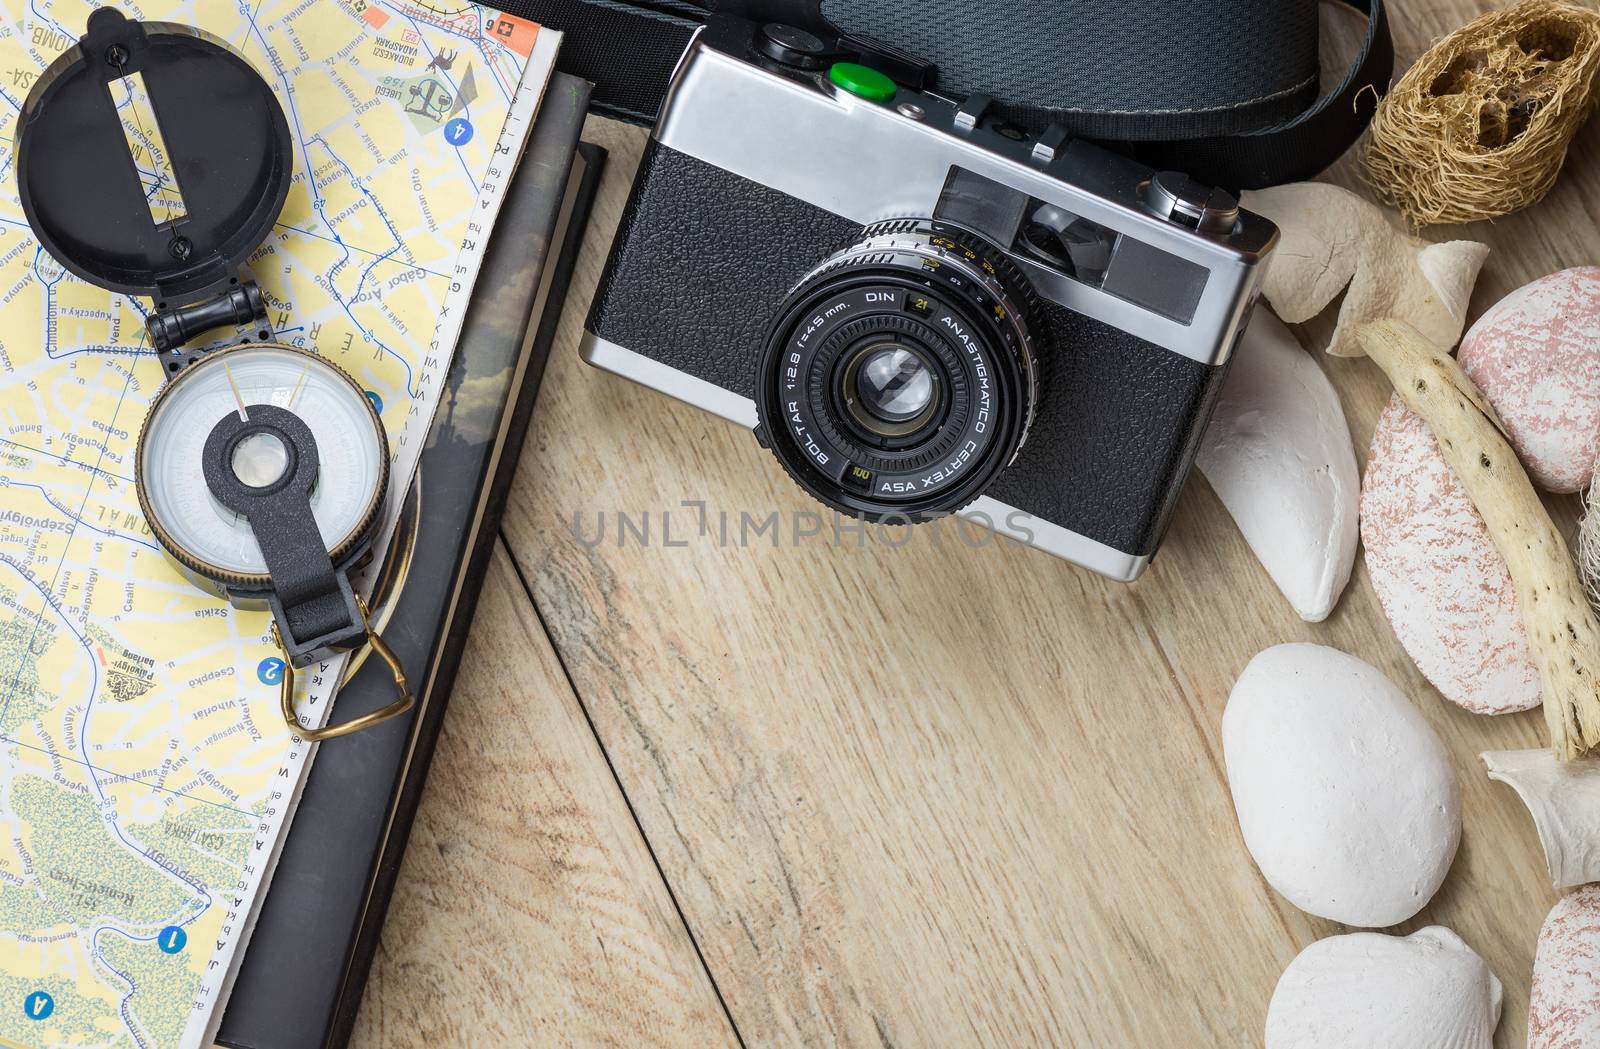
(902, 373)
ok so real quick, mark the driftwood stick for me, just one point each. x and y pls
(1563, 631)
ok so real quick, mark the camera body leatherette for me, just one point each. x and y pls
(704, 258)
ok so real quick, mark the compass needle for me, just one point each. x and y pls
(238, 398)
(294, 394)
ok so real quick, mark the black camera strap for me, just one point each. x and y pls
(1295, 149)
(1225, 90)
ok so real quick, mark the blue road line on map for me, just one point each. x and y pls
(454, 91)
(15, 742)
(250, 17)
(49, 332)
(363, 281)
(316, 198)
(481, 46)
(83, 738)
(93, 528)
(354, 247)
(49, 292)
(57, 26)
(64, 459)
(399, 242)
(133, 989)
(48, 593)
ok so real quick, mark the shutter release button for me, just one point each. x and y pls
(862, 82)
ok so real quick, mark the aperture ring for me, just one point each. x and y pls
(917, 243)
(922, 289)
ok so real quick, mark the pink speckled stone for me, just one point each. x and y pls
(1536, 357)
(1442, 583)
(1564, 1012)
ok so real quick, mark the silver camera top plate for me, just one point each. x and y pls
(868, 161)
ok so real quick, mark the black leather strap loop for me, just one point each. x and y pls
(1301, 147)
(1233, 99)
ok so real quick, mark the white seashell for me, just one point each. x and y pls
(1440, 578)
(1564, 1011)
(1536, 357)
(1278, 455)
(1564, 800)
(1332, 241)
(1346, 797)
(1366, 990)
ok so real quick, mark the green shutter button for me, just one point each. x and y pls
(862, 81)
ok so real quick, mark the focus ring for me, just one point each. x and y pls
(920, 290)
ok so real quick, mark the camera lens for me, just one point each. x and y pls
(900, 376)
(890, 389)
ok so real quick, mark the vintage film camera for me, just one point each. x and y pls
(920, 308)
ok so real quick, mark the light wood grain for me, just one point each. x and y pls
(528, 911)
(937, 796)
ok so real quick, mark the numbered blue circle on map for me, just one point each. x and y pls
(377, 402)
(458, 131)
(171, 939)
(270, 670)
(38, 1005)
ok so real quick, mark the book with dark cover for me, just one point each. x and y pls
(300, 982)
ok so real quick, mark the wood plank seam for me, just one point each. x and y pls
(649, 847)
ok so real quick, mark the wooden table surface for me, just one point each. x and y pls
(882, 796)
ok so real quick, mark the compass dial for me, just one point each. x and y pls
(352, 451)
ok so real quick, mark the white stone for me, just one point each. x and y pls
(1536, 357)
(1441, 580)
(1346, 797)
(1278, 455)
(1564, 1010)
(1366, 990)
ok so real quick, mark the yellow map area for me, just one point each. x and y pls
(145, 774)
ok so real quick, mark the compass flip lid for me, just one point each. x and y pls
(89, 200)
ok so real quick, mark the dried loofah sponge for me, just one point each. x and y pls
(1480, 125)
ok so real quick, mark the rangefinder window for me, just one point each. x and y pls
(1095, 255)
(1070, 243)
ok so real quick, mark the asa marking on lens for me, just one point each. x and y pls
(902, 373)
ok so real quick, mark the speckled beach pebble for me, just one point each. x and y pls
(1536, 357)
(1440, 579)
(1564, 1012)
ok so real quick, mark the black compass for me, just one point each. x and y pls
(152, 159)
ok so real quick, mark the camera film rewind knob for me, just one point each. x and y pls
(792, 46)
(1179, 199)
